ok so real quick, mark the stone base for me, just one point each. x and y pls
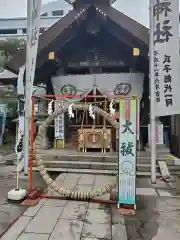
(127, 212)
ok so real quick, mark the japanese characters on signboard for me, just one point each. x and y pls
(59, 122)
(166, 56)
(21, 99)
(32, 43)
(159, 134)
(127, 152)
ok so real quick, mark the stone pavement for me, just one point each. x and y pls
(157, 218)
(65, 220)
(88, 182)
(158, 214)
(10, 212)
(68, 220)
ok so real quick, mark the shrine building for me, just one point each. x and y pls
(94, 50)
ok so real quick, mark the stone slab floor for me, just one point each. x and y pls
(10, 212)
(65, 220)
(157, 218)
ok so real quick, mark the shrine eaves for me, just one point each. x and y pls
(110, 2)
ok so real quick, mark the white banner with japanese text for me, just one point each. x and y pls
(20, 94)
(166, 57)
(32, 42)
(159, 134)
(127, 152)
(59, 122)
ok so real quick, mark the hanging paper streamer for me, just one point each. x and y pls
(50, 110)
(70, 111)
(111, 109)
(3, 111)
(91, 112)
(127, 152)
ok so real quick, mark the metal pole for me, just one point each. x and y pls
(152, 94)
(27, 94)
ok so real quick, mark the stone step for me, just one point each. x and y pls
(92, 171)
(84, 171)
(94, 158)
(159, 149)
(103, 165)
(93, 165)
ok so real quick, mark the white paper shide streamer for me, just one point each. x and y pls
(70, 111)
(111, 109)
(50, 109)
(91, 112)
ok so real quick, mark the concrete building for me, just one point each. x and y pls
(16, 28)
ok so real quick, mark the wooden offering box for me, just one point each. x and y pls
(89, 138)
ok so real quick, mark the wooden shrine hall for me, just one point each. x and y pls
(94, 49)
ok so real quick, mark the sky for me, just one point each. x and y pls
(136, 9)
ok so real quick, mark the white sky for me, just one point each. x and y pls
(137, 9)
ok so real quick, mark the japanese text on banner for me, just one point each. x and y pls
(166, 56)
(127, 152)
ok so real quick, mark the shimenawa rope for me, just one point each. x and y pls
(39, 160)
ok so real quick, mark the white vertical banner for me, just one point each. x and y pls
(127, 152)
(32, 42)
(138, 120)
(20, 83)
(33, 26)
(59, 121)
(166, 56)
(20, 93)
(159, 134)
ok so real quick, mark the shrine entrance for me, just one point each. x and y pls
(82, 122)
(98, 90)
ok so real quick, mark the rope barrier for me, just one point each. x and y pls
(39, 160)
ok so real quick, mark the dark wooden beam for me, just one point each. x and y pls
(119, 55)
(122, 35)
(66, 36)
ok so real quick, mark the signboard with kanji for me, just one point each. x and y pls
(159, 134)
(59, 124)
(32, 44)
(127, 152)
(166, 57)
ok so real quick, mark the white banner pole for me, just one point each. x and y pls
(33, 24)
(152, 92)
(26, 105)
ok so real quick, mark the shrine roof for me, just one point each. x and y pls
(65, 24)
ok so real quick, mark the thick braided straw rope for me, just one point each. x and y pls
(39, 160)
